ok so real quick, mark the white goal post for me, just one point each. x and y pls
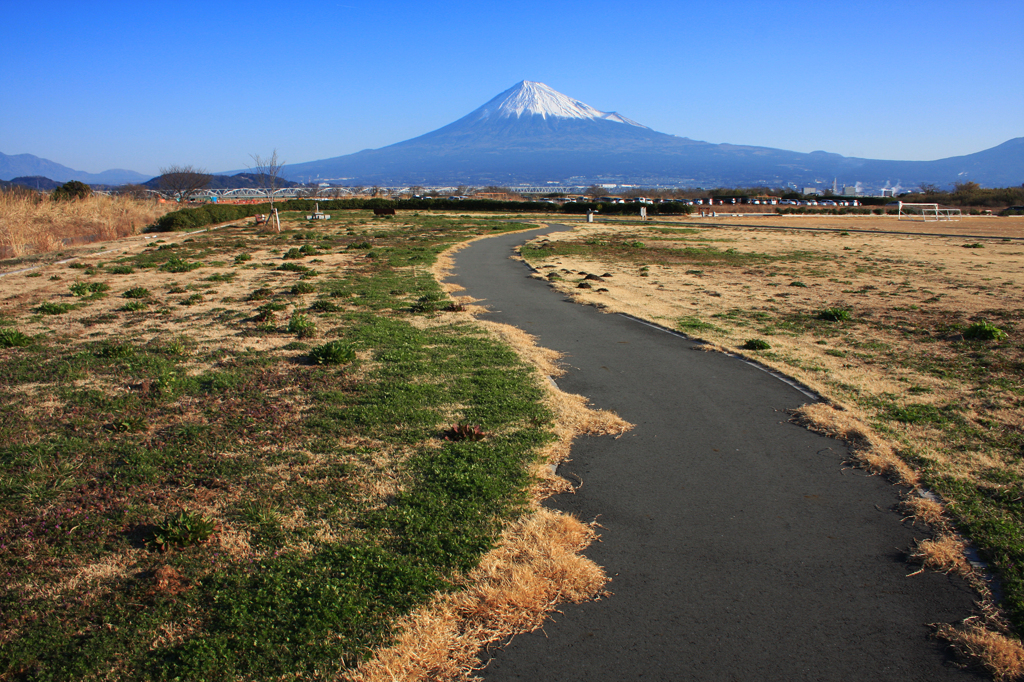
(926, 212)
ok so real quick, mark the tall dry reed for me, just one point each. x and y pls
(33, 223)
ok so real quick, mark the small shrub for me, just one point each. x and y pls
(975, 245)
(834, 314)
(136, 292)
(303, 288)
(243, 257)
(798, 284)
(295, 345)
(460, 432)
(88, 288)
(221, 277)
(121, 269)
(193, 299)
(116, 351)
(71, 190)
(294, 253)
(325, 306)
(428, 303)
(333, 353)
(181, 346)
(50, 308)
(293, 267)
(78, 265)
(360, 245)
(756, 344)
(261, 294)
(456, 307)
(178, 265)
(10, 338)
(302, 326)
(183, 529)
(134, 306)
(984, 331)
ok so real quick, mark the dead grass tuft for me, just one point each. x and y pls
(944, 554)
(922, 509)
(168, 581)
(1000, 655)
(867, 448)
(513, 589)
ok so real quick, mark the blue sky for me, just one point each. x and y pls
(140, 85)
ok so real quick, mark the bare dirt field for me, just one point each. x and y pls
(915, 341)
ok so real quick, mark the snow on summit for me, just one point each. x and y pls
(529, 98)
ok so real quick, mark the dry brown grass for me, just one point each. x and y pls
(944, 554)
(1000, 655)
(31, 223)
(537, 566)
(867, 448)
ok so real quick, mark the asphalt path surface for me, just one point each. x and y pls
(739, 545)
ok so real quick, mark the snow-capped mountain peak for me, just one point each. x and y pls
(529, 98)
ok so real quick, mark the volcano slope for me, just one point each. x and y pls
(739, 545)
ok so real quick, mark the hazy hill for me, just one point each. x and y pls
(237, 181)
(36, 182)
(27, 165)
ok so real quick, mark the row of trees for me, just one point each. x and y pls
(969, 194)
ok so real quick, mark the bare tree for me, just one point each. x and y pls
(268, 172)
(137, 192)
(183, 182)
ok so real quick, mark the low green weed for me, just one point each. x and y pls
(834, 315)
(333, 353)
(177, 265)
(984, 331)
(183, 529)
(301, 326)
(9, 338)
(89, 289)
(51, 308)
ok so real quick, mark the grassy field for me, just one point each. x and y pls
(916, 341)
(245, 455)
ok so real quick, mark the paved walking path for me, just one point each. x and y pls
(739, 546)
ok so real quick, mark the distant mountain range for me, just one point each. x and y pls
(532, 134)
(27, 165)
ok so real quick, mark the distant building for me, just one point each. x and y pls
(811, 190)
(850, 191)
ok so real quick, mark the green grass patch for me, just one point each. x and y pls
(139, 434)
